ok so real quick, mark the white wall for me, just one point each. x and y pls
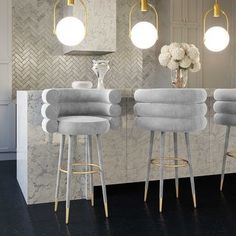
(7, 108)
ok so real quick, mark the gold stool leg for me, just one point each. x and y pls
(67, 215)
(160, 204)
(56, 205)
(194, 201)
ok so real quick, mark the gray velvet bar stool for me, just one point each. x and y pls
(170, 110)
(73, 112)
(225, 114)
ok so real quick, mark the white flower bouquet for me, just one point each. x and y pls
(180, 58)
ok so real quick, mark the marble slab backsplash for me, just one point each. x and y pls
(125, 152)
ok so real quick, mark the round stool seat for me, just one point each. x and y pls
(82, 125)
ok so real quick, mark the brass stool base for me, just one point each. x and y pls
(97, 167)
(231, 154)
(171, 162)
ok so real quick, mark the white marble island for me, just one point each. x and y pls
(124, 151)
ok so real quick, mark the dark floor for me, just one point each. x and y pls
(215, 215)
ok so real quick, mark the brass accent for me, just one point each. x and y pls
(194, 201)
(144, 5)
(69, 3)
(54, 16)
(160, 204)
(177, 191)
(221, 184)
(56, 205)
(181, 162)
(67, 215)
(131, 13)
(231, 154)
(92, 199)
(145, 194)
(216, 13)
(216, 10)
(106, 209)
(83, 172)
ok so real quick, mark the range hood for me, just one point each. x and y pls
(101, 28)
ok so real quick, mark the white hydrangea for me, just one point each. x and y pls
(165, 49)
(197, 59)
(193, 53)
(164, 59)
(173, 65)
(192, 46)
(185, 63)
(196, 67)
(185, 46)
(174, 45)
(177, 53)
(180, 56)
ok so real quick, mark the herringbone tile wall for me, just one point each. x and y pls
(38, 62)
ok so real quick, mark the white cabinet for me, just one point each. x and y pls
(101, 27)
(7, 108)
(186, 26)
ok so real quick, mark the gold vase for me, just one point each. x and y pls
(179, 78)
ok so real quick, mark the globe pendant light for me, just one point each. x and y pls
(143, 34)
(70, 30)
(216, 38)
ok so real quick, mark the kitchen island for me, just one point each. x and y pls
(125, 151)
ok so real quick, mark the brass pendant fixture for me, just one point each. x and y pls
(143, 34)
(70, 30)
(144, 5)
(216, 38)
(70, 2)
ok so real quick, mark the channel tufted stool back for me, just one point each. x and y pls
(170, 110)
(79, 102)
(87, 112)
(225, 114)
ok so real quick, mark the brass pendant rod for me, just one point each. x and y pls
(130, 18)
(144, 5)
(70, 2)
(85, 15)
(54, 16)
(216, 9)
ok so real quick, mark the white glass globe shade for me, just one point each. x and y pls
(216, 39)
(70, 31)
(144, 35)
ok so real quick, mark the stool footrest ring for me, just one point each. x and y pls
(96, 169)
(171, 162)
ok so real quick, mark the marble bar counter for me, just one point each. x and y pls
(125, 151)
